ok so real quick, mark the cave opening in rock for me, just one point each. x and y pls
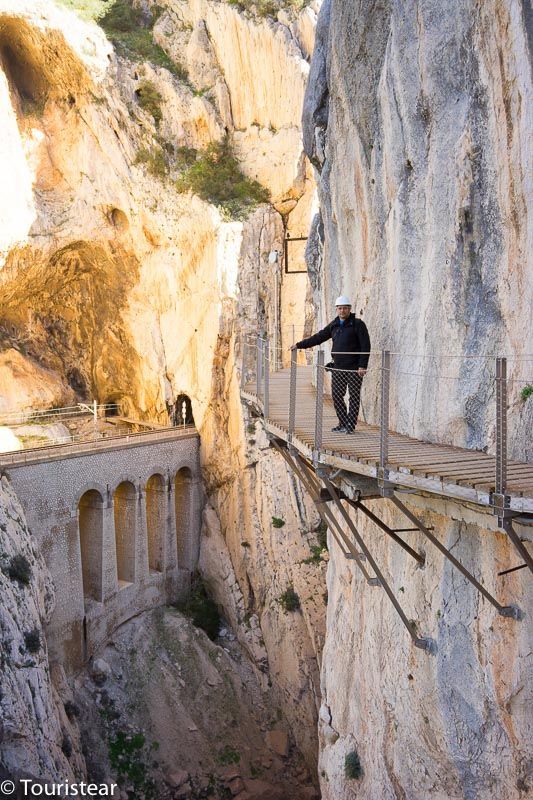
(22, 66)
(156, 514)
(91, 525)
(124, 510)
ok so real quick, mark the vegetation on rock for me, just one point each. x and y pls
(277, 522)
(150, 100)
(19, 569)
(526, 392)
(352, 766)
(201, 609)
(215, 176)
(129, 28)
(289, 600)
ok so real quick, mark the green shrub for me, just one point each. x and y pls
(150, 100)
(185, 157)
(526, 392)
(32, 640)
(155, 161)
(352, 766)
(228, 755)
(127, 754)
(322, 535)
(19, 569)
(277, 522)
(88, 9)
(201, 609)
(316, 555)
(215, 176)
(289, 600)
(131, 33)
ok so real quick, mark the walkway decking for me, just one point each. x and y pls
(454, 472)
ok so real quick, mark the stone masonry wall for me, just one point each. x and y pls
(50, 491)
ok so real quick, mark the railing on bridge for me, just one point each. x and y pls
(478, 403)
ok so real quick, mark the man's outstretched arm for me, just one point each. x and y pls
(316, 338)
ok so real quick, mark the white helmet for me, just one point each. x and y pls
(342, 301)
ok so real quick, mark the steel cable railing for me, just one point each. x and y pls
(411, 402)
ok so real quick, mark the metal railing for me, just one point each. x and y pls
(82, 446)
(454, 402)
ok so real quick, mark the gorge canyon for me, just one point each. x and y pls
(157, 159)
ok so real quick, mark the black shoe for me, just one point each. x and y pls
(349, 430)
(339, 429)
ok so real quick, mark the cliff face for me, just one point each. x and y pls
(36, 735)
(416, 119)
(116, 286)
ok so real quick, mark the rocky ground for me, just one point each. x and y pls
(171, 714)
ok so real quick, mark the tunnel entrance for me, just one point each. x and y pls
(124, 510)
(91, 526)
(183, 509)
(181, 411)
(156, 515)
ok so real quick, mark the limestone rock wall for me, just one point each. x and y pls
(417, 117)
(454, 724)
(35, 732)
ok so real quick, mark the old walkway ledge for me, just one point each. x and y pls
(342, 471)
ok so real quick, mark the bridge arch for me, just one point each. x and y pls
(183, 501)
(156, 519)
(91, 528)
(88, 487)
(125, 516)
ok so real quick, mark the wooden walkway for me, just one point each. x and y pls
(454, 472)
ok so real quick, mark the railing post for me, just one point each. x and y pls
(501, 501)
(292, 395)
(319, 406)
(243, 362)
(384, 424)
(266, 380)
(258, 365)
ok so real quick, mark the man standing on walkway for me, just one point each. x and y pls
(350, 351)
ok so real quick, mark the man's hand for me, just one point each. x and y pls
(293, 347)
(361, 372)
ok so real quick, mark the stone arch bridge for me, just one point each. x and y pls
(118, 524)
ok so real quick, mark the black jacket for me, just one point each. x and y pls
(352, 337)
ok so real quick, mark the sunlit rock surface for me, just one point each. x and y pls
(122, 290)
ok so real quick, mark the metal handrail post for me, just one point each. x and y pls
(258, 364)
(266, 384)
(500, 499)
(319, 406)
(384, 422)
(243, 363)
(292, 395)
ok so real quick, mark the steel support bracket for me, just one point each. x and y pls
(457, 564)
(513, 612)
